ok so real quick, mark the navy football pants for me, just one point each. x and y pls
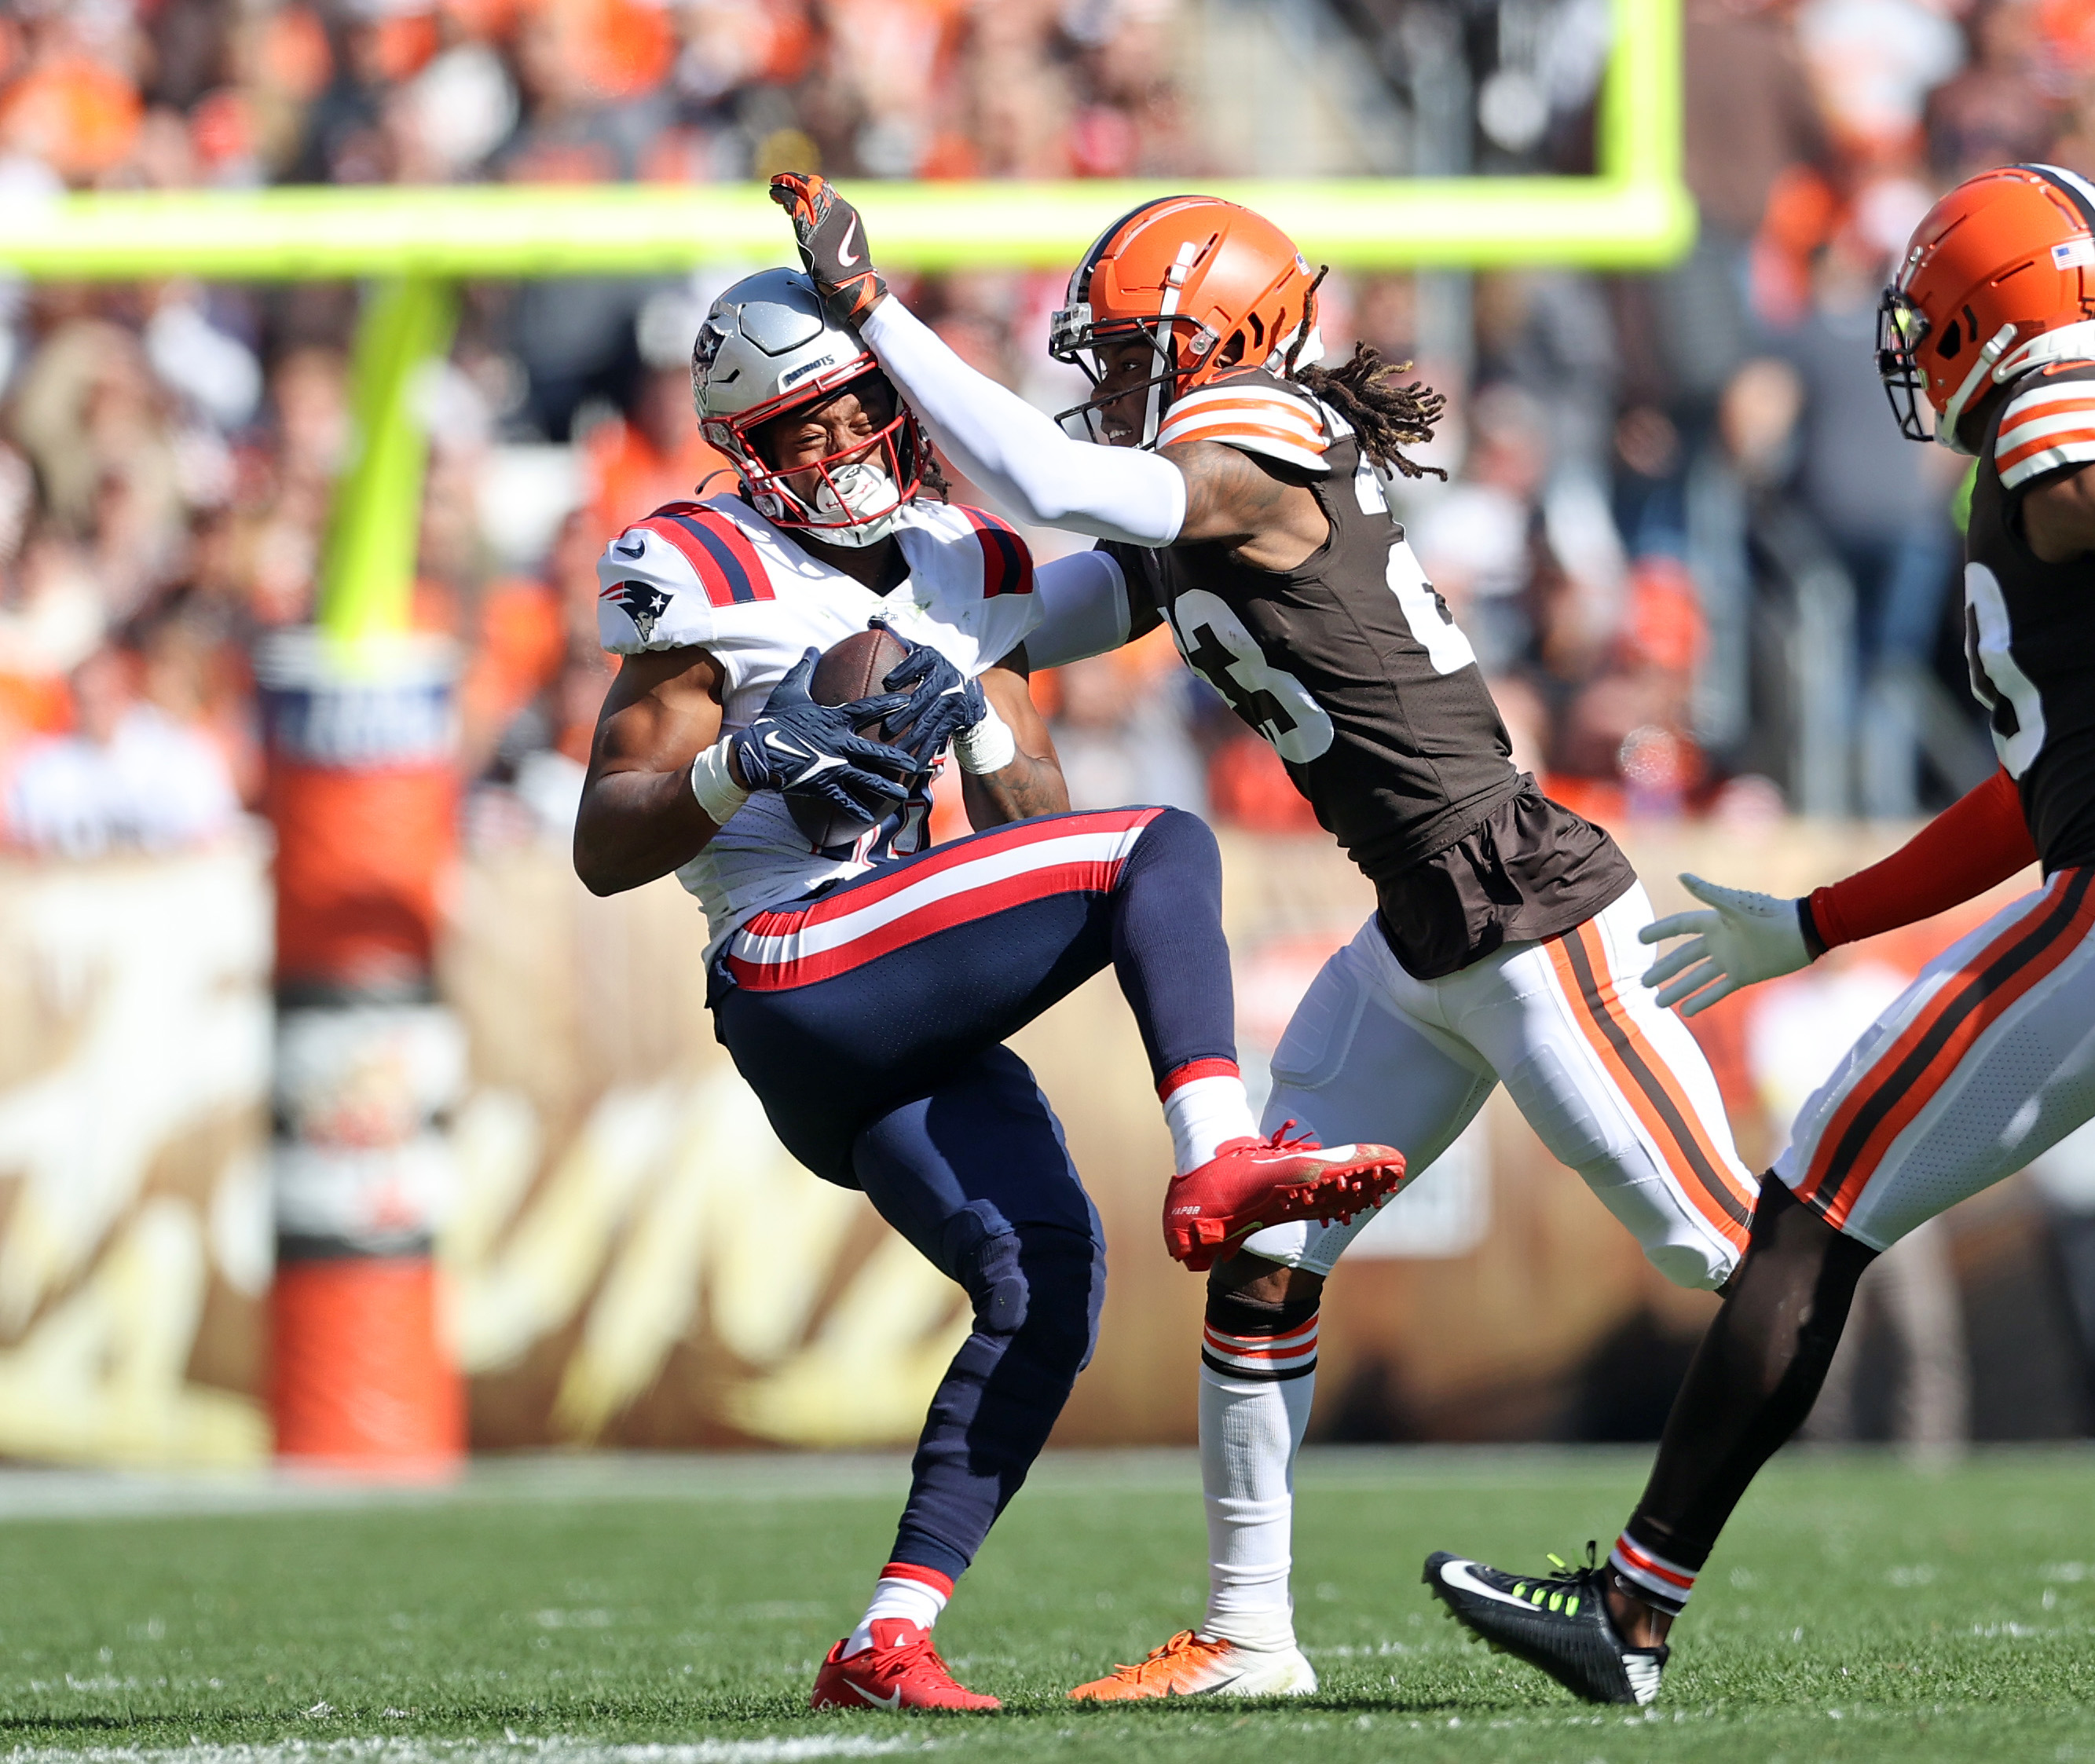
(869, 1018)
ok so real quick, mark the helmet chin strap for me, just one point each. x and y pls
(1189, 254)
(2001, 362)
(1952, 413)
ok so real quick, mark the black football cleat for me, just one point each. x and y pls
(1559, 1624)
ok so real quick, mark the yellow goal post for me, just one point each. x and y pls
(1633, 213)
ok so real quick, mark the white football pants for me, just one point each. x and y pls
(1614, 1085)
(1986, 1062)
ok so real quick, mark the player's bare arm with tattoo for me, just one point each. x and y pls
(1032, 783)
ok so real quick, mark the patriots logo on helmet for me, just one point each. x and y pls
(643, 603)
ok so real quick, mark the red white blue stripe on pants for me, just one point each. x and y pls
(917, 897)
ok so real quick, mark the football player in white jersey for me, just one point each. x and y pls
(864, 984)
(1241, 499)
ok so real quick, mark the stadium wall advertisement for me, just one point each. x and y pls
(630, 1260)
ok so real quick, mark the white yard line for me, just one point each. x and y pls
(547, 1751)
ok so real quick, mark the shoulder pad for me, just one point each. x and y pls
(1257, 411)
(2048, 423)
(663, 582)
(718, 550)
(1006, 559)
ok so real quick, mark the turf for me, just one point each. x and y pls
(1859, 1609)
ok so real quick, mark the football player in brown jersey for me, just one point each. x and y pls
(1240, 497)
(1986, 1059)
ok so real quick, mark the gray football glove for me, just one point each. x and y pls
(1744, 938)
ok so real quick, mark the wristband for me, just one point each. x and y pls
(988, 746)
(714, 785)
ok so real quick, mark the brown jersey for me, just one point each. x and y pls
(2029, 626)
(1353, 668)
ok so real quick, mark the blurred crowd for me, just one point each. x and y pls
(1702, 570)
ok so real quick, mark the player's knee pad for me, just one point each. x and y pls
(1044, 1280)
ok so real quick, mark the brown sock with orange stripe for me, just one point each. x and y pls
(1751, 1385)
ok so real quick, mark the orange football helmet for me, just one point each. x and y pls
(1208, 284)
(1999, 278)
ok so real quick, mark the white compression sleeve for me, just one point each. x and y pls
(1083, 609)
(1016, 454)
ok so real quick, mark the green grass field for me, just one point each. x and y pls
(672, 1613)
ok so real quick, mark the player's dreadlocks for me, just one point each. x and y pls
(1384, 417)
(932, 476)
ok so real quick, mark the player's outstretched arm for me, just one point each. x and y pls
(1197, 491)
(639, 818)
(1030, 783)
(1977, 842)
(1025, 463)
(1019, 455)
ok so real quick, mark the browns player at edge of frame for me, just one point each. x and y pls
(1986, 1059)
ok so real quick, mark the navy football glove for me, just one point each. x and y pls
(941, 703)
(800, 748)
(832, 244)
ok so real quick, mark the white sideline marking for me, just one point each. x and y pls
(550, 1751)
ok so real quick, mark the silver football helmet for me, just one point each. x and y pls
(768, 347)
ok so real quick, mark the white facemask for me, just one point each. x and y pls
(863, 493)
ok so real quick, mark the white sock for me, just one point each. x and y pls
(1205, 1106)
(904, 1591)
(1250, 1432)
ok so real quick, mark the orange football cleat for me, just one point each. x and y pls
(1187, 1666)
(1249, 1184)
(901, 1669)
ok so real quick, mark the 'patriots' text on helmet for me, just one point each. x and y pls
(1999, 278)
(768, 348)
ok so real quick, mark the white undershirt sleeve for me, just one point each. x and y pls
(1016, 454)
(1083, 609)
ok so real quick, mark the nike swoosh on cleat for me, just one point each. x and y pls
(845, 260)
(1457, 1574)
(636, 549)
(893, 1699)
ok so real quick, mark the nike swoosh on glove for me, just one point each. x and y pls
(941, 703)
(1744, 938)
(800, 748)
(832, 242)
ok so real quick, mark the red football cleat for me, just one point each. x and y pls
(901, 1669)
(1249, 1184)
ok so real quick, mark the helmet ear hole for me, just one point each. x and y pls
(1233, 352)
(1953, 341)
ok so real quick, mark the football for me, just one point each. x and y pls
(852, 670)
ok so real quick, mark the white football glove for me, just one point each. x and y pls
(1748, 937)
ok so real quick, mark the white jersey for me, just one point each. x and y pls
(717, 576)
